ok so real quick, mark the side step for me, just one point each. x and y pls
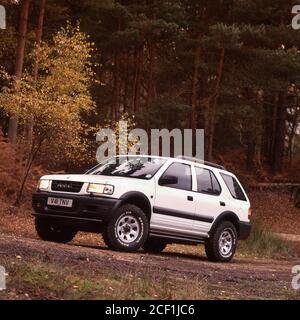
(177, 239)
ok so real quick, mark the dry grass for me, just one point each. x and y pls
(263, 243)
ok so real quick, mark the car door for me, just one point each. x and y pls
(208, 199)
(174, 205)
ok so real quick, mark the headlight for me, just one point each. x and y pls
(43, 184)
(100, 188)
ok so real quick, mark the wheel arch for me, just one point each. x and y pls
(138, 199)
(226, 216)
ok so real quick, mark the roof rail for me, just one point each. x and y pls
(207, 163)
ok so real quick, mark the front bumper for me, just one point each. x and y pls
(244, 230)
(85, 208)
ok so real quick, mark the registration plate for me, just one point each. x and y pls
(59, 202)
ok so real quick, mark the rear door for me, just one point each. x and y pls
(174, 205)
(209, 203)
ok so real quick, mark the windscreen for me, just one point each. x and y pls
(131, 167)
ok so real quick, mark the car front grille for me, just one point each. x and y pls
(66, 186)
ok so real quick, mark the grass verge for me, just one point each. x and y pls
(264, 243)
(38, 280)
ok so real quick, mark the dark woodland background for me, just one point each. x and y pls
(231, 67)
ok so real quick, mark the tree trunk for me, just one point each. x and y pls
(126, 81)
(39, 34)
(13, 121)
(33, 153)
(278, 151)
(194, 95)
(250, 154)
(267, 127)
(273, 128)
(150, 85)
(137, 81)
(116, 89)
(38, 39)
(151, 49)
(259, 105)
(213, 108)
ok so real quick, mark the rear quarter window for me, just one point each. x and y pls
(234, 187)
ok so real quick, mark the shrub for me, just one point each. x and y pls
(265, 243)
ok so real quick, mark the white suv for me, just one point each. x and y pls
(149, 202)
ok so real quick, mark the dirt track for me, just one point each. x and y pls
(243, 278)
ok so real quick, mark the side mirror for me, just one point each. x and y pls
(166, 180)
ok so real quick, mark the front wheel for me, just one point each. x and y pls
(49, 231)
(127, 230)
(222, 243)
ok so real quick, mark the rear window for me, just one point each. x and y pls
(207, 182)
(234, 187)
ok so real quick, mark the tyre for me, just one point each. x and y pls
(127, 230)
(154, 245)
(49, 231)
(222, 243)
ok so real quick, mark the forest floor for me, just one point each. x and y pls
(276, 211)
(85, 269)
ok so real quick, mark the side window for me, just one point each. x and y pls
(234, 187)
(183, 174)
(207, 182)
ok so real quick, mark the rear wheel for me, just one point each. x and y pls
(127, 230)
(222, 243)
(154, 245)
(50, 231)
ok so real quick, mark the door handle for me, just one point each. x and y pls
(190, 198)
(222, 204)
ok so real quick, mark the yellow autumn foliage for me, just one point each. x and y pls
(56, 101)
